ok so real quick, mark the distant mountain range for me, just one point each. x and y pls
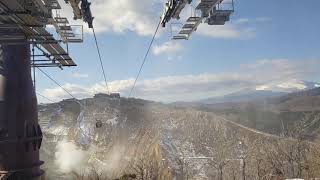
(248, 94)
(242, 96)
(268, 111)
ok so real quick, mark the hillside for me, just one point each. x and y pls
(167, 142)
(273, 114)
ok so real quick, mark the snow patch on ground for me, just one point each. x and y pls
(113, 121)
(58, 130)
(179, 152)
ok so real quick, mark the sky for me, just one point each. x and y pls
(267, 45)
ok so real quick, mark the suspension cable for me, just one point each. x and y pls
(100, 58)
(81, 105)
(145, 58)
(48, 76)
(44, 97)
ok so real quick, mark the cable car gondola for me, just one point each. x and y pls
(98, 123)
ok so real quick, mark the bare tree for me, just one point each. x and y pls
(93, 174)
(221, 151)
(145, 168)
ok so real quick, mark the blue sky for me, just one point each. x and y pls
(270, 44)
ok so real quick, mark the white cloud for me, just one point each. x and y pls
(294, 84)
(167, 48)
(79, 75)
(228, 31)
(264, 74)
(262, 88)
(288, 85)
(76, 90)
(263, 19)
(162, 88)
(242, 21)
(120, 16)
(251, 21)
(243, 28)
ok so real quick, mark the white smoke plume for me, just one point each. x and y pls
(69, 157)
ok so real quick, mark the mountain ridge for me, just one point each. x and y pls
(253, 94)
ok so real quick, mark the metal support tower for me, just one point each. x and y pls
(20, 133)
(22, 24)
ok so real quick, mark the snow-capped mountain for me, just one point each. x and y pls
(263, 91)
(289, 86)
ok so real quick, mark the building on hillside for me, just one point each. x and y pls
(101, 95)
(115, 95)
(112, 95)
